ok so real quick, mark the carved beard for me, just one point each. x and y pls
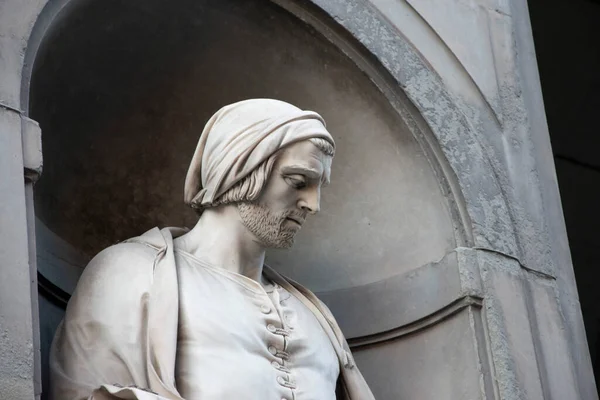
(268, 226)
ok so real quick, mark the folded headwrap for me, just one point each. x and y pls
(238, 138)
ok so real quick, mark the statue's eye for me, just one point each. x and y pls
(296, 181)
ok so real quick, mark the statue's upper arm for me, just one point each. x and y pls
(113, 282)
(101, 338)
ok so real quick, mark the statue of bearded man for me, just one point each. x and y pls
(177, 314)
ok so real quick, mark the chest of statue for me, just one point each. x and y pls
(238, 339)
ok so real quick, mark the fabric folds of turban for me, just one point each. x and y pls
(238, 138)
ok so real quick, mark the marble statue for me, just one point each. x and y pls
(195, 314)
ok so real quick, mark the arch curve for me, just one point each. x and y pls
(411, 86)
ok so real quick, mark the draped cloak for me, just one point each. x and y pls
(118, 339)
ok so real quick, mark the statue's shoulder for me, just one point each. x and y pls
(124, 255)
(132, 256)
(116, 278)
(128, 265)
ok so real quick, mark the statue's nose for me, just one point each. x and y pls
(310, 202)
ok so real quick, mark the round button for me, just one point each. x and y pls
(265, 309)
(272, 350)
(271, 328)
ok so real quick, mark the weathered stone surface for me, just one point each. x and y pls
(16, 333)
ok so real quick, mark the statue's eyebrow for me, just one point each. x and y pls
(303, 170)
(306, 171)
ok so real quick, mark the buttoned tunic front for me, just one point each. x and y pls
(238, 339)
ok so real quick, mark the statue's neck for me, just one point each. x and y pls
(221, 239)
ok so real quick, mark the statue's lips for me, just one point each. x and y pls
(295, 220)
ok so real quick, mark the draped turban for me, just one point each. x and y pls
(239, 138)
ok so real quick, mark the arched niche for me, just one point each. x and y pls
(122, 90)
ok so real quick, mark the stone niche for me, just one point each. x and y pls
(122, 90)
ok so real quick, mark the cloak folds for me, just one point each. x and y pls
(119, 336)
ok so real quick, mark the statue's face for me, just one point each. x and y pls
(292, 192)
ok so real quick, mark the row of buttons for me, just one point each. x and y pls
(281, 354)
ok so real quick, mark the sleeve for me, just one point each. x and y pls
(100, 341)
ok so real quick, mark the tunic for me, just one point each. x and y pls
(120, 335)
(240, 339)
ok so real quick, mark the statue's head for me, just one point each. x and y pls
(267, 157)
